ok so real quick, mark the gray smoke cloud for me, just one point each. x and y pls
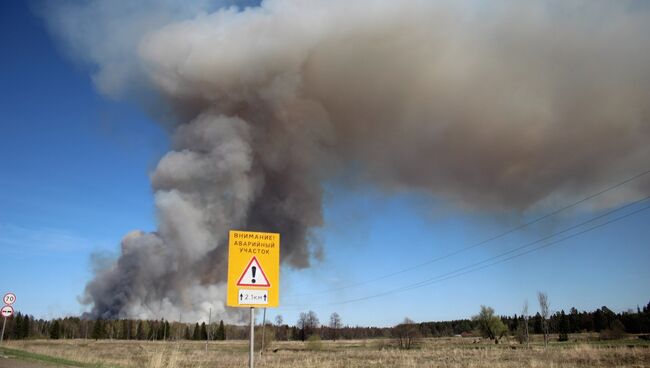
(499, 106)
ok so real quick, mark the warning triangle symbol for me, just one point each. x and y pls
(253, 275)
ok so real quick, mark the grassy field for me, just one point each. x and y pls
(441, 352)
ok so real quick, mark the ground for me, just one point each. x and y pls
(16, 363)
(581, 351)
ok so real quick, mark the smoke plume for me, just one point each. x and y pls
(505, 106)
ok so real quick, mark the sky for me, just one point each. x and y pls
(74, 179)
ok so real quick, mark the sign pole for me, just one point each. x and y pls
(263, 327)
(251, 353)
(3, 329)
(7, 310)
(253, 275)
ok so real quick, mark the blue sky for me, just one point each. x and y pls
(74, 179)
(74, 168)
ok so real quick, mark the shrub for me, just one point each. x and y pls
(314, 343)
(615, 331)
(268, 338)
(407, 334)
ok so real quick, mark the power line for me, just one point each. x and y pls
(475, 245)
(473, 267)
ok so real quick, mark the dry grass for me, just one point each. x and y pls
(443, 352)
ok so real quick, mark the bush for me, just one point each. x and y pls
(521, 334)
(615, 331)
(314, 343)
(269, 337)
(489, 325)
(407, 334)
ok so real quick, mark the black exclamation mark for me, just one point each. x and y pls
(253, 269)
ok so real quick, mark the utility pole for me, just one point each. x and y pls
(263, 328)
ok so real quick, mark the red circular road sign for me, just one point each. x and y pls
(7, 311)
(9, 298)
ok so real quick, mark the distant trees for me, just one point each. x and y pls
(335, 325)
(524, 314)
(24, 330)
(447, 328)
(489, 325)
(18, 326)
(563, 327)
(574, 320)
(125, 331)
(99, 331)
(609, 325)
(538, 326)
(281, 330)
(544, 312)
(197, 332)
(406, 333)
(55, 330)
(167, 331)
(599, 320)
(140, 334)
(307, 324)
(221, 332)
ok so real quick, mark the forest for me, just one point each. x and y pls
(603, 321)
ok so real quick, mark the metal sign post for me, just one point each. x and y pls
(253, 275)
(251, 352)
(6, 311)
(3, 329)
(263, 330)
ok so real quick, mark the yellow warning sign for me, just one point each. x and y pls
(253, 269)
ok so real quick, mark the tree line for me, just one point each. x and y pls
(603, 320)
(23, 326)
